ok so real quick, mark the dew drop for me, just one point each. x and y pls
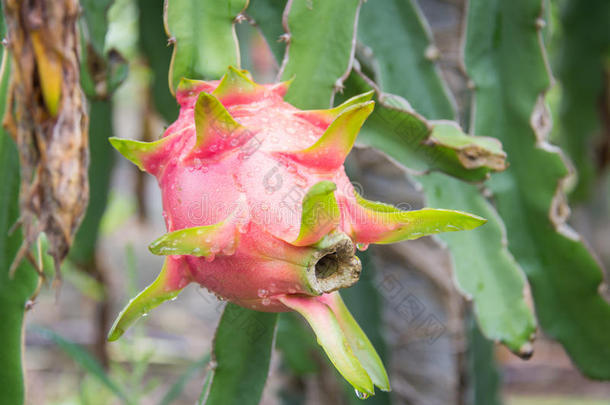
(204, 169)
(265, 301)
(301, 181)
(145, 314)
(197, 250)
(360, 394)
(174, 299)
(362, 246)
(262, 293)
(229, 249)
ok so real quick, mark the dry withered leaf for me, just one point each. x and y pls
(46, 115)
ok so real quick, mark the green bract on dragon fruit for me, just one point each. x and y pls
(260, 212)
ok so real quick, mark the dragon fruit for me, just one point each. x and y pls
(259, 211)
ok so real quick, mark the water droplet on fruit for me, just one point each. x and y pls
(213, 148)
(144, 314)
(360, 394)
(210, 257)
(229, 249)
(362, 246)
(196, 250)
(238, 185)
(265, 301)
(174, 299)
(262, 293)
(204, 169)
(301, 181)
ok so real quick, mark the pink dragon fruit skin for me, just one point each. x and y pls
(259, 211)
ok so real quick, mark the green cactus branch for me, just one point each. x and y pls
(422, 145)
(16, 291)
(505, 58)
(582, 60)
(320, 51)
(484, 269)
(203, 35)
(241, 356)
(405, 28)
